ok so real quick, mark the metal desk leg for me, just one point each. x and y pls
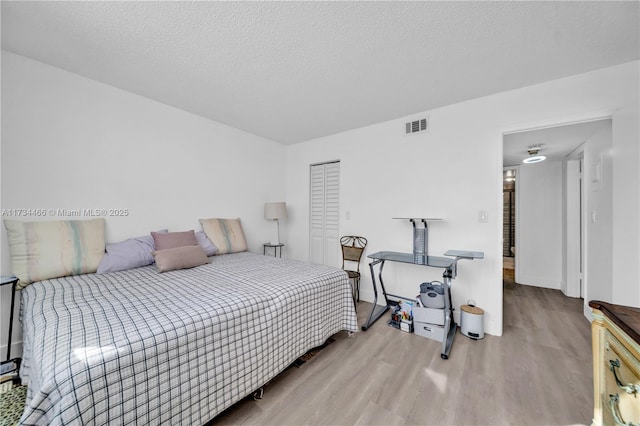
(376, 311)
(449, 322)
(13, 302)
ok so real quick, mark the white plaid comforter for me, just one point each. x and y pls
(140, 347)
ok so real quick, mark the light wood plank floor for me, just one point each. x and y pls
(538, 373)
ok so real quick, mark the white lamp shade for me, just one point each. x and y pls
(276, 210)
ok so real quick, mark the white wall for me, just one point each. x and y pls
(455, 170)
(564, 258)
(625, 155)
(71, 143)
(539, 245)
(599, 216)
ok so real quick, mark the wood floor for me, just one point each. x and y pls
(538, 373)
(508, 268)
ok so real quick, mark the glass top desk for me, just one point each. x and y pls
(449, 264)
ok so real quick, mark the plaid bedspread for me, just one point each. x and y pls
(140, 347)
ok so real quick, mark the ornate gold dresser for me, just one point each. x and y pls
(616, 365)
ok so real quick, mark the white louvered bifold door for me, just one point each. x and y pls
(316, 211)
(324, 214)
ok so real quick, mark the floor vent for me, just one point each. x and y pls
(416, 126)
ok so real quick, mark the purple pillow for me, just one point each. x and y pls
(209, 248)
(128, 254)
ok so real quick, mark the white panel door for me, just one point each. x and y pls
(324, 194)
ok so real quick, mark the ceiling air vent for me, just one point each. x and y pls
(416, 126)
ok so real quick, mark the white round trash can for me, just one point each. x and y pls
(472, 321)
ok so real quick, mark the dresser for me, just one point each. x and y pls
(616, 365)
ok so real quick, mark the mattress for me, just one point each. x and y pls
(177, 347)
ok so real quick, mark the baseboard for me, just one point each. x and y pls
(588, 313)
(367, 296)
(16, 350)
(538, 282)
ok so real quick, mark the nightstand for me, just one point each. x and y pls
(13, 281)
(275, 248)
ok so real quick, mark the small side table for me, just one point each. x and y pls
(13, 281)
(275, 248)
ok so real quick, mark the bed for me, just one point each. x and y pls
(178, 347)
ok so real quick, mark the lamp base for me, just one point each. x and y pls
(275, 243)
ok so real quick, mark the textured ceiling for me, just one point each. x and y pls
(294, 71)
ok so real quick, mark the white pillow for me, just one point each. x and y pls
(44, 250)
(226, 234)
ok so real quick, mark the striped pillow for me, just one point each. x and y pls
(44, 250)
(226, 234)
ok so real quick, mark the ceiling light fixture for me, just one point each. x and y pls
(533, 155)
(510, 176)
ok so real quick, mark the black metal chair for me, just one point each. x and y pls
(352, 249)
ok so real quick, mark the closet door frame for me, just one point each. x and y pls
(324, 213)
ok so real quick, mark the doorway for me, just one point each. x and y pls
(509, 223)
(555, 198)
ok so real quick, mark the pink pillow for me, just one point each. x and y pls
(180, 258)
(174, 239)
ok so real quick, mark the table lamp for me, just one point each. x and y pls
(275, 211)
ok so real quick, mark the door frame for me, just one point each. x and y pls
(576, 231)
(328, 248)
(517, 207)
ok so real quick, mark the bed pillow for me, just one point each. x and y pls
(209, 248)
(226, 234)
(174, 239)
(128, 254)
(180, 258)
(44, 250)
